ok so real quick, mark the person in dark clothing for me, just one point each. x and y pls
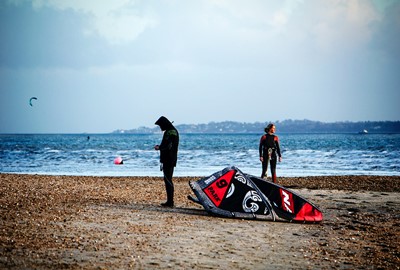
(168, 156)
(269, 150)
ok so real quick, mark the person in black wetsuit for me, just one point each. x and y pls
(168, 156)
(269, 150)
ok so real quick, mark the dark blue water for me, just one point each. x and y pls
(199, 154)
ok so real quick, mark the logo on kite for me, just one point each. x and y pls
(287, 200)
(30, 101)
(250, 201)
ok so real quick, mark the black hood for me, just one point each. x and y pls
(164, 123)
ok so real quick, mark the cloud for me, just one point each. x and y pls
(117, 21)
(282, 15)
(387, 35)
(344, 25)
(325, 26)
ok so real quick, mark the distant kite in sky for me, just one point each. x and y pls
(30, 101)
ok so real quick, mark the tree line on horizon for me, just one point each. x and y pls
(286, 126)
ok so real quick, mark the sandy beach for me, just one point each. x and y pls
(75, 222)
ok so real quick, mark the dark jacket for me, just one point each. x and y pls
(169, 143)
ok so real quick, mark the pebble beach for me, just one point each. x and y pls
(87, 222)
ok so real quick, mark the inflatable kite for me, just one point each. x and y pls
(30, 100)
(231, 193)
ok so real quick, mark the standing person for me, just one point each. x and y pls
(269, 149)
(168, 156)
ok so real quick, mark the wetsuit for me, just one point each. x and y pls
(168, 155)
(269, 141)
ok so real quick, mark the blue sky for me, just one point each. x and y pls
(97, 66)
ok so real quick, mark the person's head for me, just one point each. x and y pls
(270, 128)
(164, 123)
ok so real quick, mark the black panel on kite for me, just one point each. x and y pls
(231, 193)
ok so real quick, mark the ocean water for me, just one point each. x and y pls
(199, 154)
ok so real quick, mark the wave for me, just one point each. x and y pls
(198, 155)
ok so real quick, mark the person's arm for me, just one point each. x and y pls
(260, 148)
(278, 149)
(167, 141)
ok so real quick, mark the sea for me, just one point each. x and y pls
(199, 154)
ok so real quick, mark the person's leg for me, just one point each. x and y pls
(264, 168)
(169, 185)
(273, 169)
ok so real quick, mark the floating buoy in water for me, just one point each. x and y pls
(118, 161)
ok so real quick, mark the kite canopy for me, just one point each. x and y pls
(231, 193)
(30, 100)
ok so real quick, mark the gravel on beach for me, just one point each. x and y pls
(86, 222)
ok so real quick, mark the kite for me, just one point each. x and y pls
(30, 101)
(232, 193)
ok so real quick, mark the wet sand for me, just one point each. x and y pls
(74, 222)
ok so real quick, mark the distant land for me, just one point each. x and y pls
(286, 126)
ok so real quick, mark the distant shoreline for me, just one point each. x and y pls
(203, 133)
(286, 126)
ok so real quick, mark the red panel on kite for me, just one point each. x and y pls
(309, 213)
(216, 190)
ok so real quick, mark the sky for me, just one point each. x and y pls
(96, 66)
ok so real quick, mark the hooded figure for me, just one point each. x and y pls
(168, 156)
